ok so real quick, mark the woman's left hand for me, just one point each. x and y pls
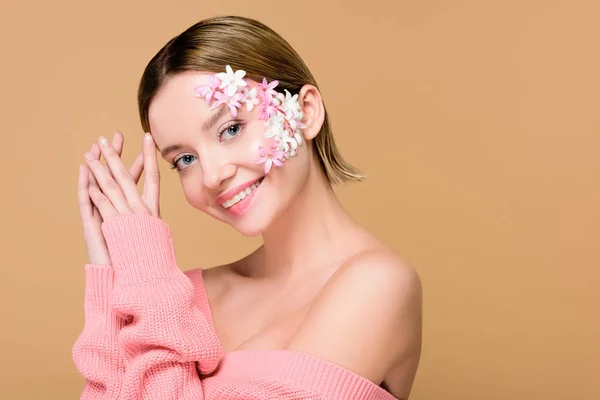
(119, 195)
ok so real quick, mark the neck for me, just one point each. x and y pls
(313, 233)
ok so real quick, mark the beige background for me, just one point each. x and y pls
(477, 121)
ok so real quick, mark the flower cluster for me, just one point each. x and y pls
(280, 110)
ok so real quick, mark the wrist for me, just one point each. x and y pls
(140, 247)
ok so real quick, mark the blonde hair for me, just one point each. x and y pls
(250, 45)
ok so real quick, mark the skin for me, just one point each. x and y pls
(318, 276)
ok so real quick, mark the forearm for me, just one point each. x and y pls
(169, 340)
(96, 352)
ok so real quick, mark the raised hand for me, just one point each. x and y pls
(90, 215)
(118, 194)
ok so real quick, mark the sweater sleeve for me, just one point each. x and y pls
(169, 341)
(95, 352)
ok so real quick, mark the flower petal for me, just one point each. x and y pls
(268, 165)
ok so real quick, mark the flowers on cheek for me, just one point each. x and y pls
(270, 156)
(281, 111)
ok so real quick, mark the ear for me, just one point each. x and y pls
(313, 110)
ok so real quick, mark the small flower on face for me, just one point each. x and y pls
(267, 108)
(294, 124)
(279, 98)
(298, 138)
(232, 81)
(275, 126)
(290, 104)
(251, 98)
(270, 156)
(207, 91)
(287, 142)
(269, 87)
(232, 102)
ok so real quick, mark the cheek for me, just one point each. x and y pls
(194, 194)
(256, 137)
(292, 175)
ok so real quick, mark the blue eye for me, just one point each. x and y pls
(230, 132)
(175, 164)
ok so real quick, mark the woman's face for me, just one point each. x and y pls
(216, 153)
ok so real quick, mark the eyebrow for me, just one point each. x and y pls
(214, 118)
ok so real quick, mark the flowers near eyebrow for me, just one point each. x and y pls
(281, 111)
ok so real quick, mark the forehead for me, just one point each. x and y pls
(175, 111)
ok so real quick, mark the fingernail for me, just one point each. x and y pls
(103, 141)
(148, 137)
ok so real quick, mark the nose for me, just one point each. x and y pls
(216, 172)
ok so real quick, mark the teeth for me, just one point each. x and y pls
(241, 195)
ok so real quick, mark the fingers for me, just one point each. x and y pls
(109, 190)
(95, 151)
(137, 168)
(151, 192)
(122, 180)
(117, 143)
(85, 204)
(105, 206)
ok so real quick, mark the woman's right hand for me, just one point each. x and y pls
(90, 216)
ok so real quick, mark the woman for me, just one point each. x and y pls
(321, 310)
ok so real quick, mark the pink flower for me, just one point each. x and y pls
(207, 91)
(271, 156)
(268, 87)
(232, 102)
(267, 108)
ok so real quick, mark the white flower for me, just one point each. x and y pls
(290, 104)
(232, 80)
(298, 138)
(287, 142)
(274, 126)
(251, 98)
(278, 99)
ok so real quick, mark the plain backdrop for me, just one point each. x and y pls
(477, 122)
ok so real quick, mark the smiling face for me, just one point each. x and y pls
(215, 156)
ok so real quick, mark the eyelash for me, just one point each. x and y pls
(219, 134)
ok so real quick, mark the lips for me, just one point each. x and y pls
(223, 197)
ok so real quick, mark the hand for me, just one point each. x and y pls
(90, 215)
(118, 194)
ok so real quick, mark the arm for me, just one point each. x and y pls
(169, 340)
(95, 352)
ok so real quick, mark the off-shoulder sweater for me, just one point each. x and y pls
(148, 334)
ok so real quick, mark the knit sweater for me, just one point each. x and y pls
(148, 334)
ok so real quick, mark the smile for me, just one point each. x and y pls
(242, 198)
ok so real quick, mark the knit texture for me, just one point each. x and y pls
(149, 334)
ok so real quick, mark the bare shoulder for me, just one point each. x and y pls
(367, 318)
(381, 267)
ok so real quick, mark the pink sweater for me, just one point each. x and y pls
(148, 334)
